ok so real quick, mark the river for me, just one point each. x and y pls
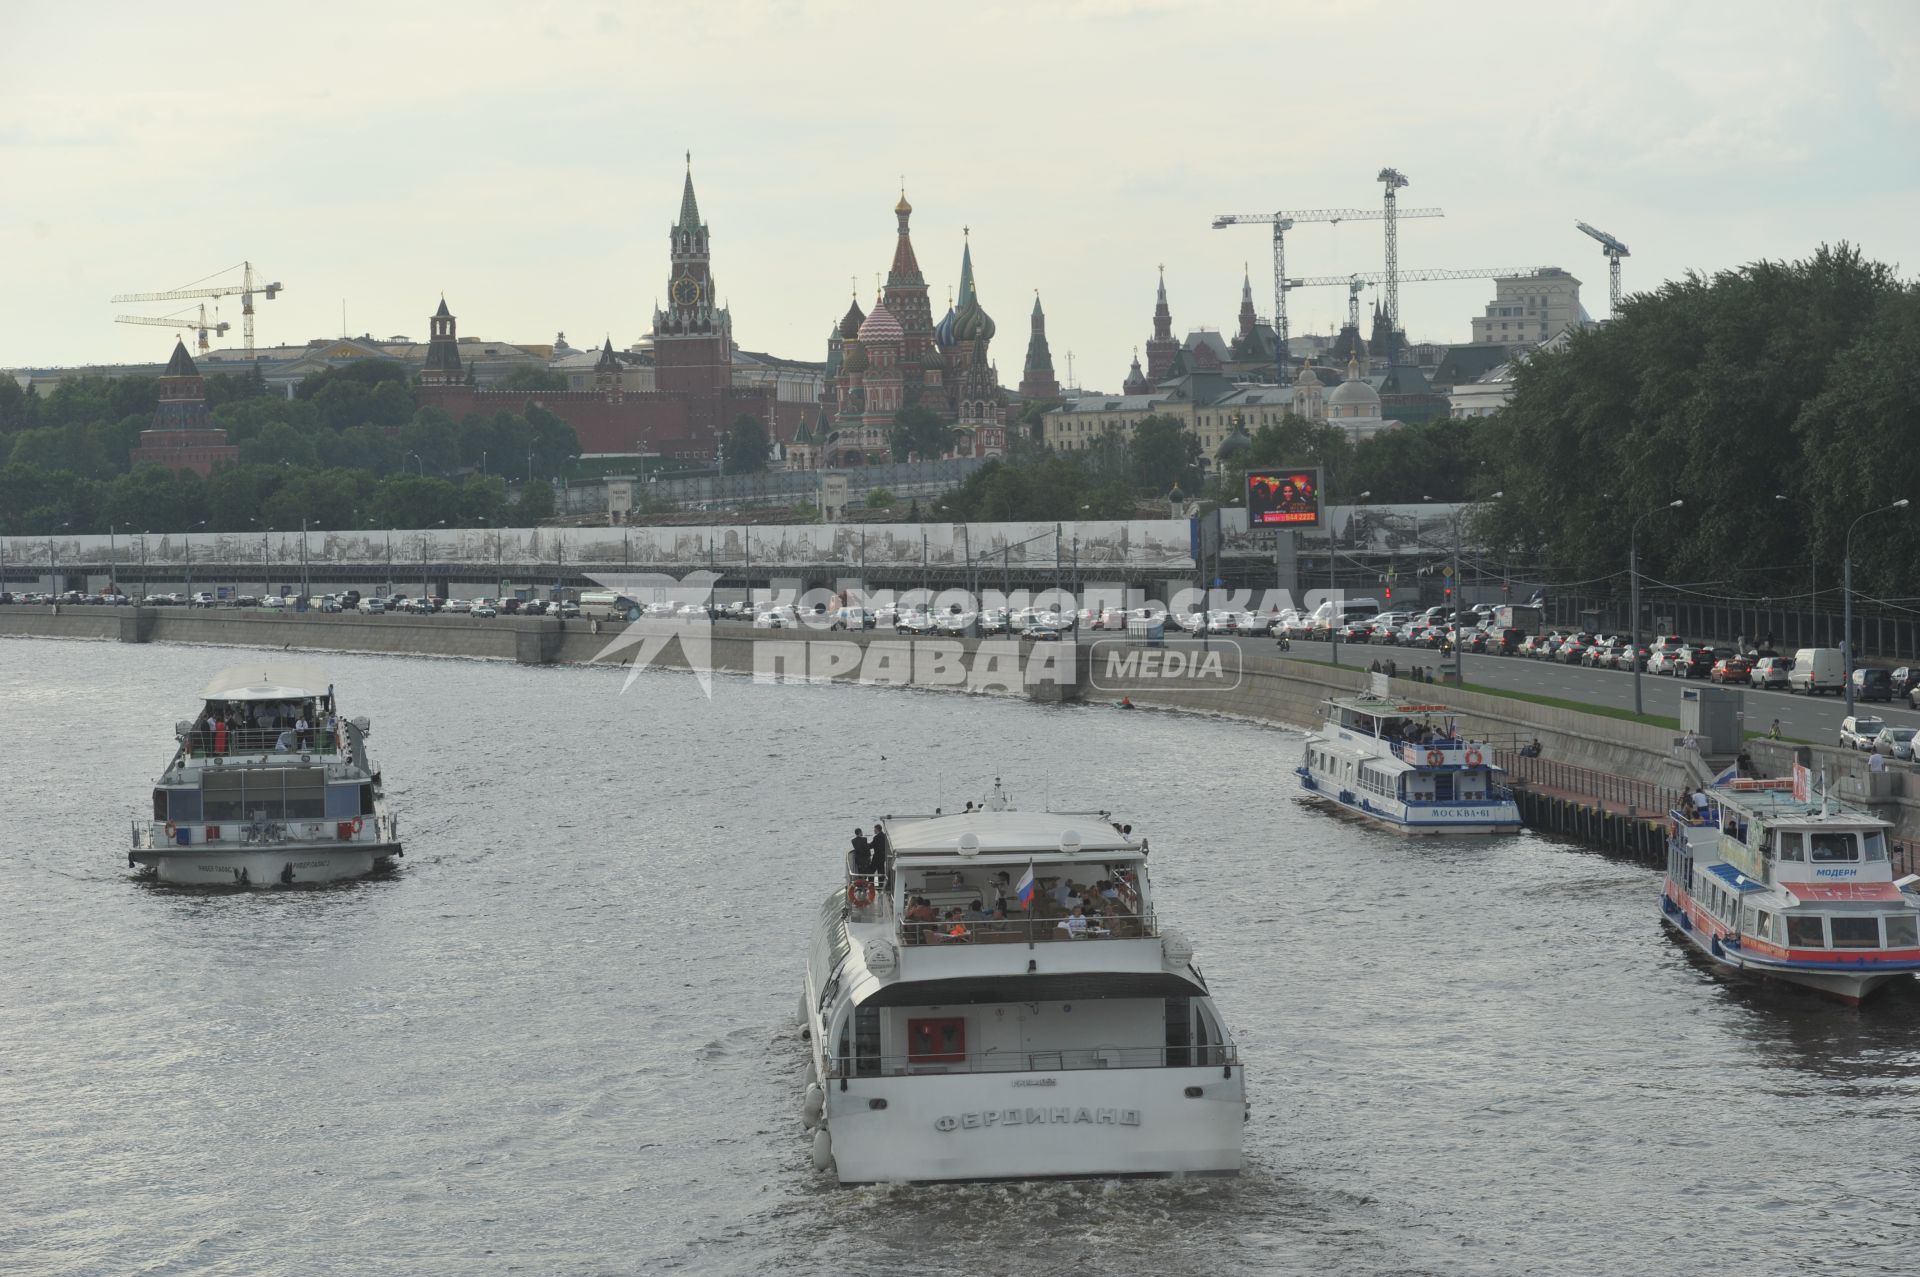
(559, 1038)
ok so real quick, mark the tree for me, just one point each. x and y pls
(535, 504)
(919, 432)
(533, 378)
(1165, 455)
(879, 499)
(746, 446)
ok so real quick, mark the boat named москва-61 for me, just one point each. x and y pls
(268, 785)
(1405, 767)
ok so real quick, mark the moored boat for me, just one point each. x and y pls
(1064, 1032)
(1406, 767)
(1768, 882)
(268, 785)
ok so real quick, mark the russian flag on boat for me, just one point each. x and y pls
(1024, 891)
(1726, 777)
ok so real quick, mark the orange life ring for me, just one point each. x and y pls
(860, 893)
(356, 824)
(173, 828)
(1435, 758)
(1473, 758)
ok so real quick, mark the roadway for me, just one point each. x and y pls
(1814, 719)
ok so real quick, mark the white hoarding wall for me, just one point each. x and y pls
(1142, 543)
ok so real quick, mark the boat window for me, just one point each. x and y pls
(1876, 843)
(1179, 1031)
(1793, 845)
(1763, 924)
(1827, 848)
(866, 1041)
(1804, 932)
(1855, 933)
(1903, 931)
(937, 1040)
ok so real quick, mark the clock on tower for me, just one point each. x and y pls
(685, 291)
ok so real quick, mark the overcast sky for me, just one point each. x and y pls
(526, 158)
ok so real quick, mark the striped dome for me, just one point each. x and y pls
(881, 325)
(943, 331)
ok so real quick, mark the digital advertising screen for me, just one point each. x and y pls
(1284, 498)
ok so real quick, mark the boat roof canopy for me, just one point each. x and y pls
(1000, 833)
(266, 683)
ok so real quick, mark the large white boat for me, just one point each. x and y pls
(268, 784)
(1407, 767)
(1765, 883)
(1054, 1039)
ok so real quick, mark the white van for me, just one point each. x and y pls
(1817, 670)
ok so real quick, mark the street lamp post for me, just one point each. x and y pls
(113, 557)
(1846, 590)
(418, 462)
(1333, 630)
(1458, 591)
(1633, 580)
(1813, 574)
(189, 540)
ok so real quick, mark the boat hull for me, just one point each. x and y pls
(1463, 819)
(1852, 987)
(279, 865)
(1070, 1124)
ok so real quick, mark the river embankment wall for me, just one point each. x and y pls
(1260, 686)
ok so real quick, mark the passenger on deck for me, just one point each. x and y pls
(862, 853)
(879, 846)
(1074, 924)
(954, 929)
(920, 919)
(976, 913)
(1000, 889)
(219, 735)
(285, 744)
(303, 731)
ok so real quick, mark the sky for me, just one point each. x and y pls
(525, 159)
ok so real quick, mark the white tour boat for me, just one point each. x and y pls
(1769, 881)
(268, 785)
(1041, 1041)
(1405, 766)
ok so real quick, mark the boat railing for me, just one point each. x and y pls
(1071, 1059)
(249, 741)
(1584, 782)
(1045, 926)
(248, 832)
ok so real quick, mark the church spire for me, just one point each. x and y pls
(1037, 380)
(689, 206)
(1247, 317)
(1163, 347)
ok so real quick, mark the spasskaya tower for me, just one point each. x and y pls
(693, 334)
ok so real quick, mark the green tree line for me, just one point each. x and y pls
(348, 450)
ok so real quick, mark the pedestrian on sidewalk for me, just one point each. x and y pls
(1773, 733)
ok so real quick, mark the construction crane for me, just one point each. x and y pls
(1614, 250)
(1394, 180)
(1367, 279)
(1284, 222)
(201, 326)
(247, 287)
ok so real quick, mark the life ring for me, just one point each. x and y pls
(173, 828)
(860, 893)
(1473, 758)
(1435, 758)
(356, 824)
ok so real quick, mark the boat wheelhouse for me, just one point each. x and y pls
(996, 998)
(268, 784)
(1764, 883)
(1405, 766)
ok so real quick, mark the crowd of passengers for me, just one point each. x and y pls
(259, 727)
(1077, 911)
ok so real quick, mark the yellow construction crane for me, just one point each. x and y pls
(202, 326)
(246, 288)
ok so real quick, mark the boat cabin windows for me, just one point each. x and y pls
(1852, 932)
(1825, 848)
(937, 1040)
(1875, 843)
(1766, 926)
(1805, 932)
(1793, 846)
(1903, 931)
(278, 793)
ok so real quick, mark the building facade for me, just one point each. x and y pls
(183, 436)
(1529, 309)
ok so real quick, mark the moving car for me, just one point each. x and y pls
(1858, 731)
(1695, 660)
(1817, 670)
(1770, 671)
(1872, 684)
(1895, 742)
(1731, 669)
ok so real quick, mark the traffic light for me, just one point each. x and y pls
(1449, 591)
(1389, 594)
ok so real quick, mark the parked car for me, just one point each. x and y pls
(1872, 684)
(1770, 671)
(1630, 657)
(1731, 669)
(1662, 661)
(484, 608)
(1858, 731)
(1896, 742)
(373, 606)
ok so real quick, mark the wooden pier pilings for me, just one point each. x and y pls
(1641, 836)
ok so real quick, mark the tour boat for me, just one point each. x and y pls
(268, 785)
(1405, 766)
(1042, 1043)
(1766, 880)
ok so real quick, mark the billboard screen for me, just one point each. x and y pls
(1284, 498)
